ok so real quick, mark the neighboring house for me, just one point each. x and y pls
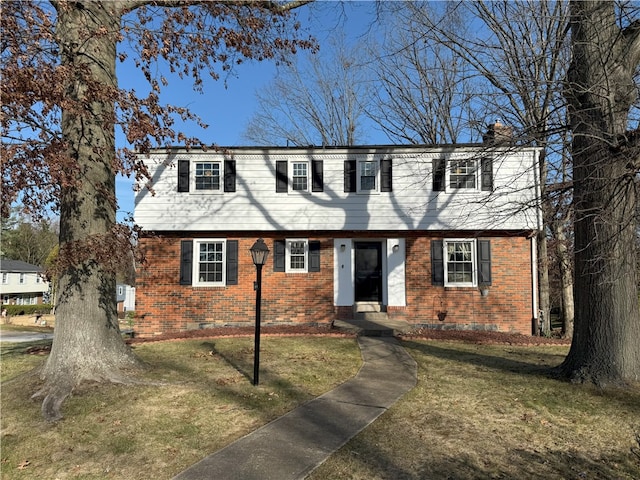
(126, 298)
(439, 236)
(22, 283)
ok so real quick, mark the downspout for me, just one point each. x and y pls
(534, 244)
(534, 284)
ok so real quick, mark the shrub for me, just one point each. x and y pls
(43, 308)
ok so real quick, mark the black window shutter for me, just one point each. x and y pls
(183, 175)
(386, 175)
(437, 263)
(349, 175)
(229, 175)
(439, 167)
(486, 166)
(186, 261)
(484, 262)
(282, 178)
(232, 262)
(317, 176)
(279, 255)
(314, 256)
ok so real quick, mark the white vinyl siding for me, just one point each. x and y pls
(256, 205)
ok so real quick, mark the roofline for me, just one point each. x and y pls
(353, 148)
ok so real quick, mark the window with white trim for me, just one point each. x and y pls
(22, 278)
(5, 278)
(207, 177)
(297, 255)
(460, 269)
(462, 174)
(209, 262)
(300, 176)
(368, 176)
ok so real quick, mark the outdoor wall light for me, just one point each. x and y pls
(484, 290)
(396, 247)
(259, 253)
(343, 247)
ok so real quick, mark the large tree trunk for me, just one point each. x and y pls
(87, 343)
(600, 91)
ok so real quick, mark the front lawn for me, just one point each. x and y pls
(478, 411)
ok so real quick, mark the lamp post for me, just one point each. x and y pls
(259, 253)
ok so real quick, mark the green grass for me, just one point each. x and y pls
(477, 412)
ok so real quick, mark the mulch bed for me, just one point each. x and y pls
(484, 337)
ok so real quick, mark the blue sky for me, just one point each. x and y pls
(227, 106)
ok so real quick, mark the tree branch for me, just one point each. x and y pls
(131, 5)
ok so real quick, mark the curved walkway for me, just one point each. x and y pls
(292, 446)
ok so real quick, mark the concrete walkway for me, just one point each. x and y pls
(293, 445)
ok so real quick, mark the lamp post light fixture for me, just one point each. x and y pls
(259, 253)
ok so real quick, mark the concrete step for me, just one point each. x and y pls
(372, 316)
(372, 328)
(367, 307)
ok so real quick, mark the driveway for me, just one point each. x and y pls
(16, 337)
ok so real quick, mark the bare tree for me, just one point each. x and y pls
(601, 91)
(425, 94)
(61, 104)
(510, 57)
(319, 99)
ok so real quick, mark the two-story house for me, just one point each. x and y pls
(438, 236)
(22, 283)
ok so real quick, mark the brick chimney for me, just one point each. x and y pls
(498, 133)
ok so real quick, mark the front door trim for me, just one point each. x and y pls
(368, 271)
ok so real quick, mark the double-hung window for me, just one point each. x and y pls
(462, 174)
(22, 278)
(300, 176)
(461, 262)
(459, 265)
(5, 278)
(296, 256)
(209, 262)
(207, 177)
(368, 176)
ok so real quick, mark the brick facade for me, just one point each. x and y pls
(506, 308)
(163, 305)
